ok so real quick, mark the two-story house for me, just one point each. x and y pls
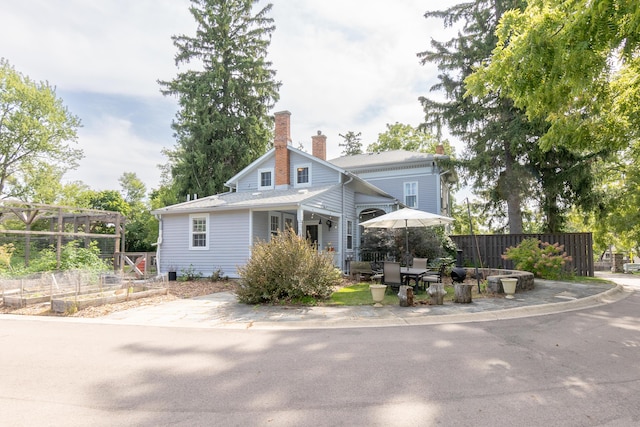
(287, 187)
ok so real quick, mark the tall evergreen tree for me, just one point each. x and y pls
(502, 158)
(223, 122)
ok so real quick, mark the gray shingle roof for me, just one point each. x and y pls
(383, 158)
(225, 201)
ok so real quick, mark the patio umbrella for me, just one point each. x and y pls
(405, 218)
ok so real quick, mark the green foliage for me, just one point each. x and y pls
(141, 231)
(218, 275)
(352, 143)
(6, 252)
(572, 64)
(543, 259)
(188, 274)
(424, 242)
(401, 136)
(287, 268)
(72, 257)
(504, 159)
(35, 134)
(224, 121)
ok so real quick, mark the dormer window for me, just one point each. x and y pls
(265, 179)
(303, 175)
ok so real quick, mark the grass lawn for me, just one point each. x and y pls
(359, 294)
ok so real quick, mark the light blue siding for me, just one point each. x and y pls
(249, 182)
(320, 173)
(229, 244)
(428, 189)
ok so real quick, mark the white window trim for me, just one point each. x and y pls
(207, 232)
(416, 194)
(260, 172)
(295, 171)
(279, 228)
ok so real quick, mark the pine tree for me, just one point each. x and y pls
(503, 157)
(223, 122)
(352, 143)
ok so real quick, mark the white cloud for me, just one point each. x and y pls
(112, 148)
(344, 64)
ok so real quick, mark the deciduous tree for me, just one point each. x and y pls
(400, 136)
(37, 132)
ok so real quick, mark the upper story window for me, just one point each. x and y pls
(411, 194)
(198, 229)
(265, 179)
(303, 175)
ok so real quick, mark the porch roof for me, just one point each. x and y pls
(248, 200)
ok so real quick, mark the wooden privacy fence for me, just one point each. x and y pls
(490, 247)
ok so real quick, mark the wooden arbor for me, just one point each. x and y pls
(63, 223)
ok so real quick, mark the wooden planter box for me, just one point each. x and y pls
(63, 305)
(28, 298)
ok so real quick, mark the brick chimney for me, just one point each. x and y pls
(281, 141)
(440, 149)
(319, 146)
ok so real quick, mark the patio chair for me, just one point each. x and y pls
(391, 274)
(434, 276)
(420, 263)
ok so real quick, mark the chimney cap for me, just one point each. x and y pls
(319, 132)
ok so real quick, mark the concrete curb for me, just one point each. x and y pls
(197, 314)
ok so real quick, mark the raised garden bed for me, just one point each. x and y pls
(73, 303)
(26, 298)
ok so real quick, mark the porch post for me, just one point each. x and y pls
(300, 216)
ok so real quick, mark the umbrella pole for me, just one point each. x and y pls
(473, 255)
(406, 244)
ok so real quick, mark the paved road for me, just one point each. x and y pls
(578, 368)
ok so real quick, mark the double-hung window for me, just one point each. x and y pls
(274, 224)
(198, 231)
(411, 194)
(265, 179)
(303, 175)
(349, 235)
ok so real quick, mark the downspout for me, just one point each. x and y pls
(342, 226)
(440, 191)
(158, 244)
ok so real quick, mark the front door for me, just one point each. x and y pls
(311, 232)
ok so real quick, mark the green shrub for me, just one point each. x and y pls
(287, 268)
(72, 257)
(543, 259)
(6, 252)
(189, 274)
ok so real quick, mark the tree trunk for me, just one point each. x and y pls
(462, 293)
(436, 292)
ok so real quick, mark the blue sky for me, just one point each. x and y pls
(344, 65)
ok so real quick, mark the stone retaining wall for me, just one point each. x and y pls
(493, 276)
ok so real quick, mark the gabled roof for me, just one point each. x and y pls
(231, 183)
(368, 160)
(244, 200)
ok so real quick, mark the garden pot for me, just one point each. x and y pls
(509, 286)
(377, 293)
(173, 276)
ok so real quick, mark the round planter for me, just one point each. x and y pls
(377, 293)
(509, 286)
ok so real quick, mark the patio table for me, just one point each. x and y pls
(410, 273)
